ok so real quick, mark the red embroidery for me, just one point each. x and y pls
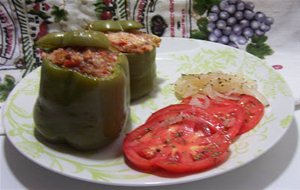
(277, 67)
(172, 19)
(183, 32)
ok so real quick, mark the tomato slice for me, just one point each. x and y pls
(179, 138)
(229, 113)
(254, 110)
(195, 157)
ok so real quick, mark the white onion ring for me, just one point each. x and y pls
(195, 101)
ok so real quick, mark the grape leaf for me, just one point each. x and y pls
(59, 14)
(202, 33)
(6, 86)
(202, 24)
(259, 39)
(197, 34)
(201, 6)
(258, 47)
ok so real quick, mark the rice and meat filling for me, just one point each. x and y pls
(134, 42)
(89, 61)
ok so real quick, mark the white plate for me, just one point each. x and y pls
(175, 56)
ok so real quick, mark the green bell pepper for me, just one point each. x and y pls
(142, 69)
(83, 111)
(142, 66)
(80, 38)
(114, 26)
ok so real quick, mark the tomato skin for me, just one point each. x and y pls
(184, 138)
(131, 153)
(231, 118)
(173, 137)
(246, 109)
(229, 113)
(193, 167)
(134, 159)
(254, 111)
(165, 110)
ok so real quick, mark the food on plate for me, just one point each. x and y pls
(180, 139)
(217, 84)
(195, 134)
(84, 92)
(205, 90)
(237, 116)
(140, 49)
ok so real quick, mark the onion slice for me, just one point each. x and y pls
(217, 85)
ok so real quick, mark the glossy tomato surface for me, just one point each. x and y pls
(179, 138)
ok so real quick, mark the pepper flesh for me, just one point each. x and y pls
(77, 38)
(142, 69)
(85, 112)
(114, 26)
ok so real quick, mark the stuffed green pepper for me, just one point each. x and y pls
(140, 49)
(84, 87)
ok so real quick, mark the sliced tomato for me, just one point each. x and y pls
(179, 138)
(195, 157)
(139, 153)
(254, 111)
(229, 113)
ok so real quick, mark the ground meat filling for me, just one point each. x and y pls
(135, 42)
(92, 62)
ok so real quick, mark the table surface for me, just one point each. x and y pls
(278, 168)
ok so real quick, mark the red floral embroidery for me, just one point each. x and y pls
(277, 67)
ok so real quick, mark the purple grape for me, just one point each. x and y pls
(255, 24)
(217, 32)
(213, 17)
(211, 26)
(244, 23)
(232, 1)
(269, 21)
(215, 9)
(240, 6)
(221, 24)
(249, 5)
(248, 14)
(259, 16)
(264, 27)
(248, 32)
(239, 15)
(227, 30)
(259, 32)
(224, 15)
(233, 37)
(242, 40)
(237, 29)
(223, 40)
(223, 5)
(231, 21)
(234, 22)
(232, 44)
(230, 9)
(212, 37)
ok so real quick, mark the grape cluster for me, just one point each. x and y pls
(234, 22)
